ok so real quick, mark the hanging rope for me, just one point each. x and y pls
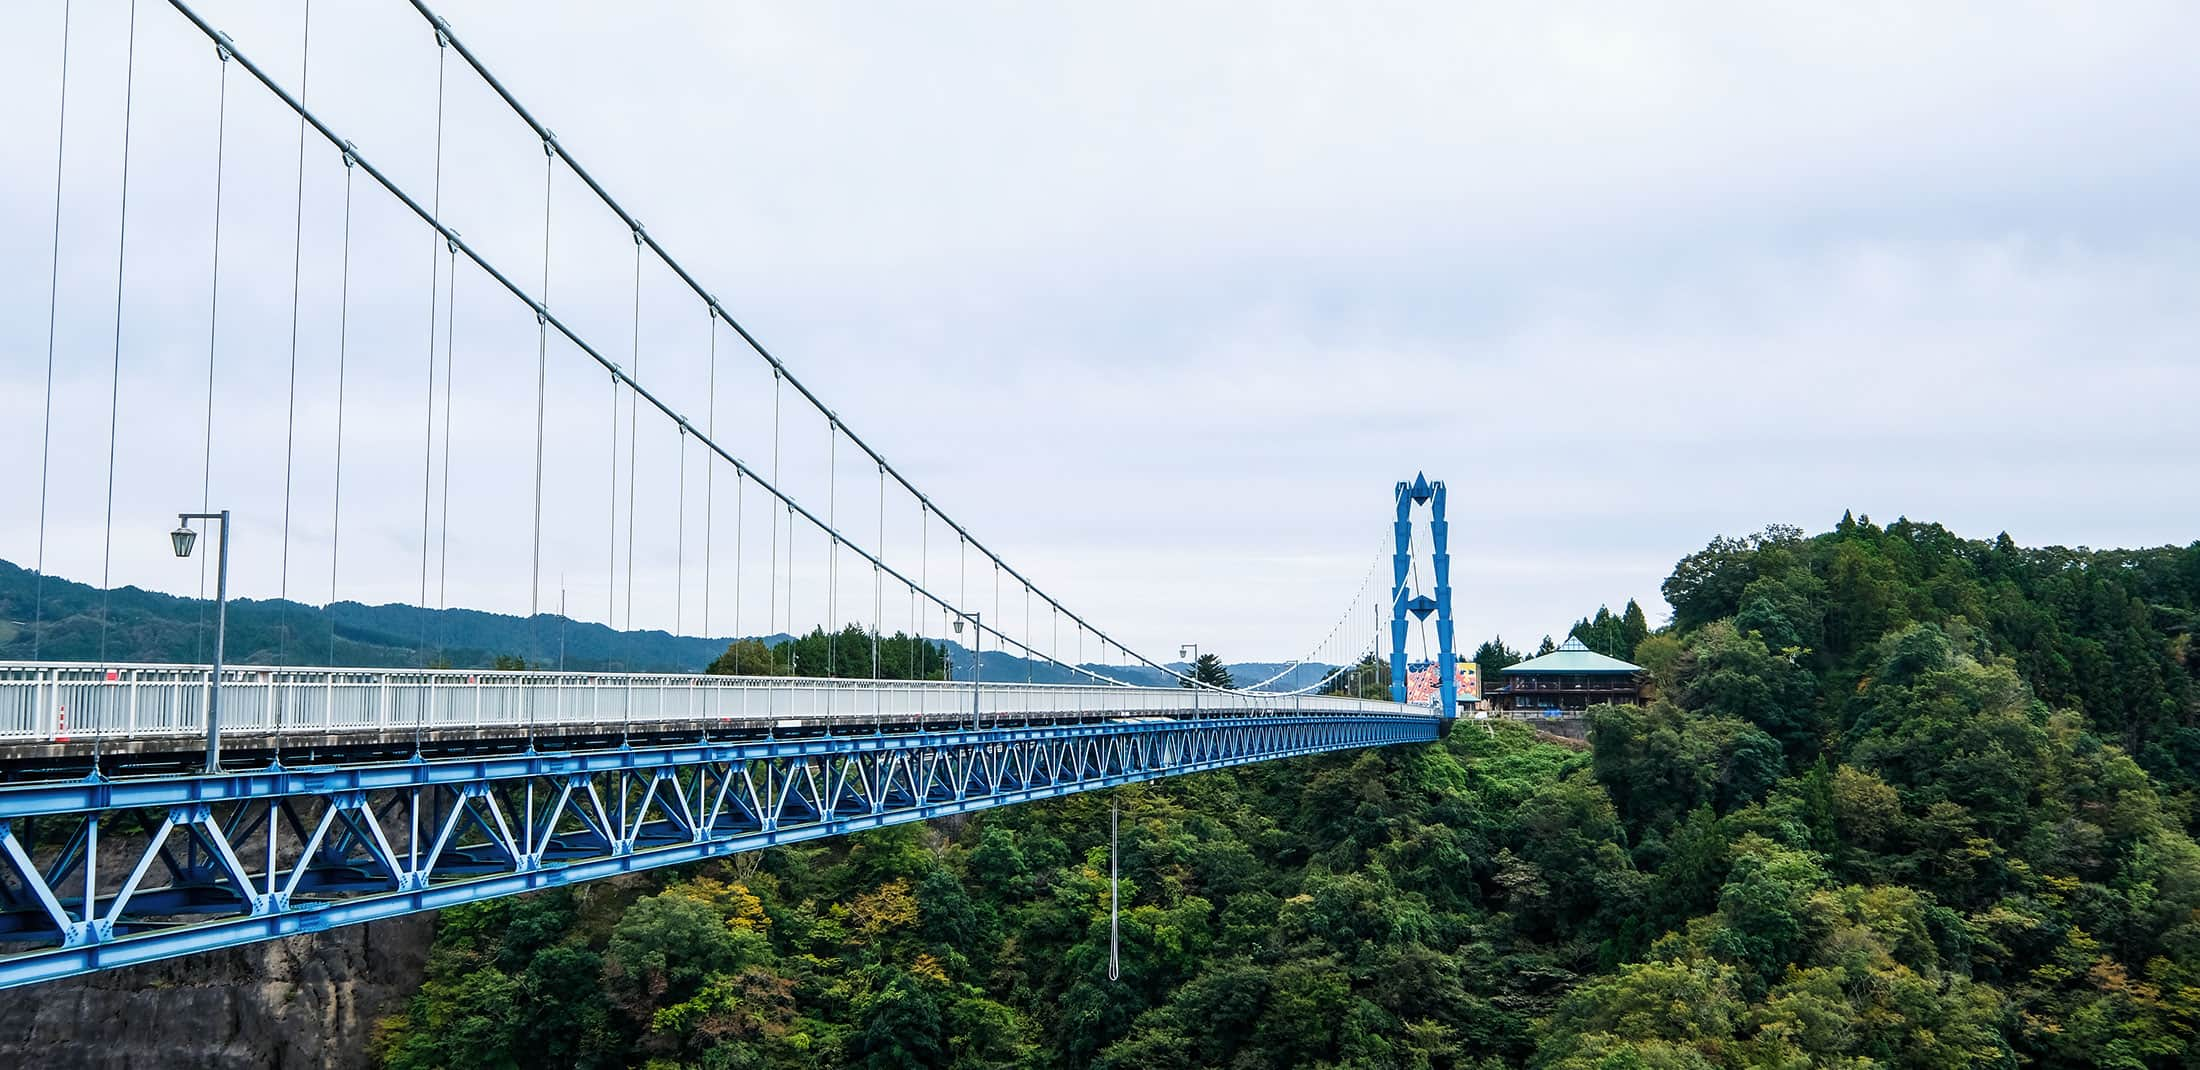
(427, 435)
(878, 578)
(962, 594)
(1115, 967)
(213, 325)
(679, 542)
(542, 377)
(633, 437)
(114, 399)
(53, 307)
(290, 407)
(917, 645)
(611, 563)
(443, 511)
(343, 347)
(771, 581)
(740, 531)
(832, 549)
(449, 377)
(793, 666)
(710, 471)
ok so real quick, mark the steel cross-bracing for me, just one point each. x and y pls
(99, 872)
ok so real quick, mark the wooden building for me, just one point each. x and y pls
(1569, 679)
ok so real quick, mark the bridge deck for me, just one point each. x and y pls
(105, 870)
(57, 716)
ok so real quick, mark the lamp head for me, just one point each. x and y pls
(958, 626)
(183, 538)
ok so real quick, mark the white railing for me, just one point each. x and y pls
(62, 702)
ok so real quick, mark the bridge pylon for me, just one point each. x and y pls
(1404, 600)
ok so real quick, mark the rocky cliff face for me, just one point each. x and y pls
(306, 1001)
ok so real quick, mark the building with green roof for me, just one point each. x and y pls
(1569, 679)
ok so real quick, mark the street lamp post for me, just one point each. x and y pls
(1190, 653)
(182, 540)
(977, 647)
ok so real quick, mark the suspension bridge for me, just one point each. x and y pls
(155, 810)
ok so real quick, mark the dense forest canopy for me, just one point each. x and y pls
(1902, 799)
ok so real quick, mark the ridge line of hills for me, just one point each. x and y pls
(148, 626)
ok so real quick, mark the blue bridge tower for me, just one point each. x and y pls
(1403, 601)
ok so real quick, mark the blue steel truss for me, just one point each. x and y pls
(221, 860)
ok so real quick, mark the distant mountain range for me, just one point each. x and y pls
(146, 626)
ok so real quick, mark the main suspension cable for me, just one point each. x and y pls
(640, 393)
(443, 27)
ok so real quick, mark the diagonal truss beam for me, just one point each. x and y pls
(363, 859)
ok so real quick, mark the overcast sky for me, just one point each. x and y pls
(1157, 299)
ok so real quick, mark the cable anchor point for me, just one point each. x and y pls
(223, 46)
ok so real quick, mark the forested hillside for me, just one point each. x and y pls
(60, 620)
(1904, 800)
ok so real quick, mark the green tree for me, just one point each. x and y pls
(1492, 656)
(1208, 669)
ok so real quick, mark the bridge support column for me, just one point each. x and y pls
(1421, 492)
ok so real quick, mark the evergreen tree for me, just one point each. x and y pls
(1208, 669)
(1493, 656)
(1634, 628)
